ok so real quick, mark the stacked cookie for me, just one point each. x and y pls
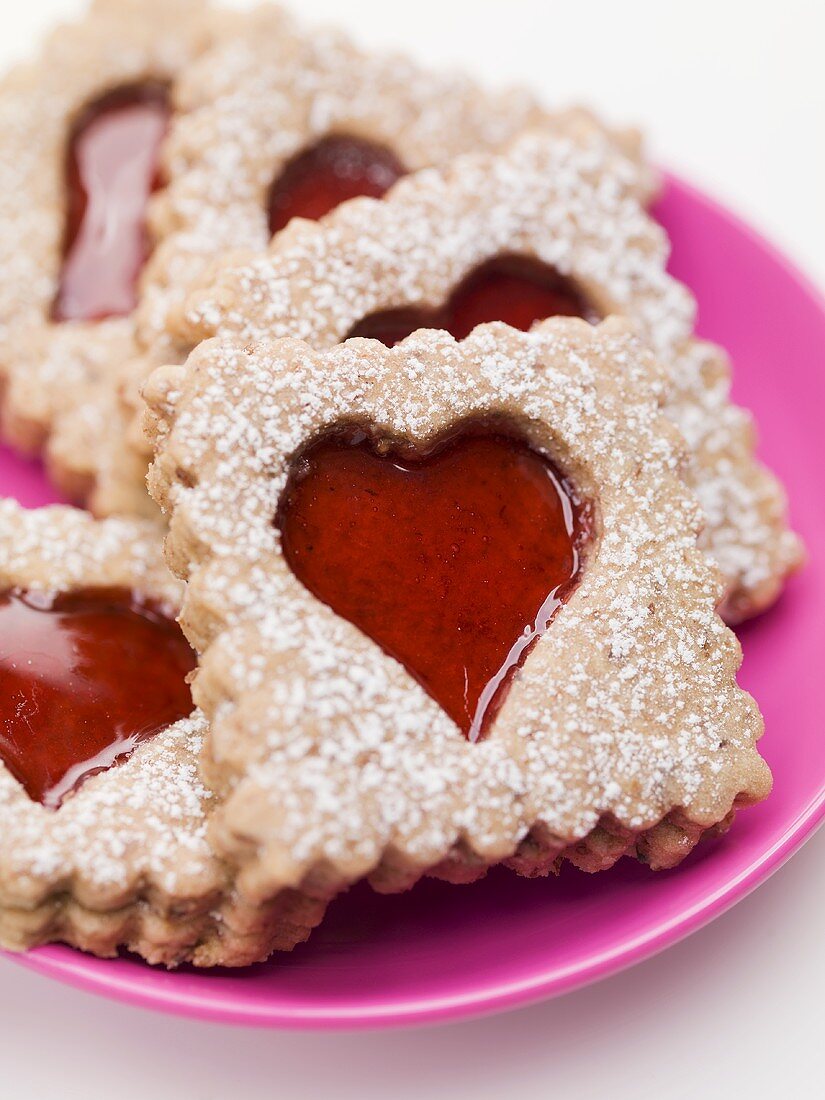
(453, 498)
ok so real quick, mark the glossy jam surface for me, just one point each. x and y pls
(514, 289)
(84, 678)
(329, 173)
(453, 561)
(111, 170)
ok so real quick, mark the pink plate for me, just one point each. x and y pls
(444, 952)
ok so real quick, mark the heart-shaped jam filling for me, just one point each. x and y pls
(84, 678)
(513, 289)
(111, 170)
(329, 173)
(454, 560)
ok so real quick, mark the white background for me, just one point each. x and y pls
(732, 94)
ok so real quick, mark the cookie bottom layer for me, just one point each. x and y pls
(231, 934)
(235, 934)
(661, 848)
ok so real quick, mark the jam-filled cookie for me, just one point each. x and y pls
(273, 126)
(551, 227)
(103, 817)
(450, 605)
(81, 126)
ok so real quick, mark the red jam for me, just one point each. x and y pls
(329, 173)
(84, 678)
(513, 289)
(454, 561)
(111, 170)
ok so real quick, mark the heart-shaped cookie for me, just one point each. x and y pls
(623, 731)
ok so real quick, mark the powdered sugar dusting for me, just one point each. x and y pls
(59, 376)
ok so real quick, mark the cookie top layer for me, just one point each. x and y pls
(331, 755)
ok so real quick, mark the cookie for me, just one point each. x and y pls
(356, 527)
(103, 816)
(73, 238)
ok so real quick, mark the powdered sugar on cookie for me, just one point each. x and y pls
(625, 725)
